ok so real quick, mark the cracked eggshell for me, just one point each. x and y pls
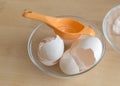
(46, 61)
(68, 65)
(81, 56)
(92, 43)
(50, 50)
(76, 61)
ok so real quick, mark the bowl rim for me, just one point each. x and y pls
(104, 29)
(60, 75)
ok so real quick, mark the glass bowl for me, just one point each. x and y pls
(42, 31)
(109, 32)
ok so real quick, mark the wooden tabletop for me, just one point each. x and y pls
(16, 69)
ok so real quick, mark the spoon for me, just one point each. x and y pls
(65, 27)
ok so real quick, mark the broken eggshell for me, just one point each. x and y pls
(81, 56)
(75, 62)
(92, 43)
(50, 50)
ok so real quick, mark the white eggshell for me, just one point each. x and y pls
(45, 61)
(68, 64)
(76, 60)
(84, 57)
(92, 43)
(51, 50)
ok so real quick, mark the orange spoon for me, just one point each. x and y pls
(64, 27)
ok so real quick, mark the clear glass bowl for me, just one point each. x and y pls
(42, 31)
(109, 33)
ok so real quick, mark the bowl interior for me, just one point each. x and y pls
(42, 31)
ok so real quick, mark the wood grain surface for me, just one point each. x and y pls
(16, 69)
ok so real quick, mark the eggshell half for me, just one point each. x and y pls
(50, 50)
(92, 43)
(68, 64)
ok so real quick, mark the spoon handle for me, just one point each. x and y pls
(39, 17)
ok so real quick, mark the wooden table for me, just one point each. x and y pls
(16, 69)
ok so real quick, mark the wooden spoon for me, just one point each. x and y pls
(64, 27)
